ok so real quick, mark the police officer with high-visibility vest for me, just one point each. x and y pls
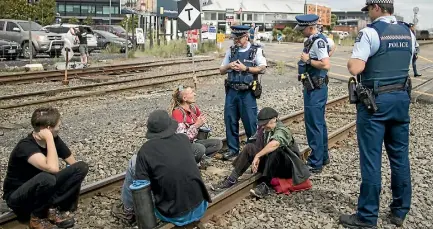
(380, 61)
(313, 73)
(243, 62)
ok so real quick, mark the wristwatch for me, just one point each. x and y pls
(308, 61)
(247, 69)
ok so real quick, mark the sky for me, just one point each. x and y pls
(401, 7)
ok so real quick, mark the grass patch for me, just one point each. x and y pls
(172, 49)
(345, 42)
(280, 67)
(111, 48)
(206, 47)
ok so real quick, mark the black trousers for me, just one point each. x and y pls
(47, 190)
(274, 164)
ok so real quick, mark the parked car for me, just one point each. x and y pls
(114, 29)
(64, 31)
(9, 49)
(43, 41)
(105, 39)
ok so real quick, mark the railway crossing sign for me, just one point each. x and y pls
(189, 15)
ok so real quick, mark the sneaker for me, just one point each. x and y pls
(353, 221)
(127, 217)
(60, 219)
(314, 170)
(261, 190)
(417, 75)
(397, 221)
(229, 156)
(38, 223)
(224, 184)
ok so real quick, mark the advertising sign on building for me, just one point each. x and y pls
(167, 8)
(323, 12)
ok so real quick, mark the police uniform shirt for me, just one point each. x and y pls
(367, 42)
(319, 49)
(331, 42)
(259, 60)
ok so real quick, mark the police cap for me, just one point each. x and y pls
(371, 2)
(306, 20)
(265, 115)
(239, 30)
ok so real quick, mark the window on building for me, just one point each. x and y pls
(213, 16)
(238, 16)
(221, 16)
(106, 10)
(207, 15)
(99, 10)
(249, 17)
(259, 17)
(60, 8)
(270, 17)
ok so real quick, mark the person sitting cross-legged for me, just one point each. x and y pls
(274, 153)
(191, 119)
(35, 185)
(167, 161)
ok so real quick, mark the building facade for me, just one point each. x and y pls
(263, 13)
(98, 10)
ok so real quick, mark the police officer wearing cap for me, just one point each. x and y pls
(313, 72)
(381, 57)
(242, 62)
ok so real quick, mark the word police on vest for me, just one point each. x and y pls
(398, 45)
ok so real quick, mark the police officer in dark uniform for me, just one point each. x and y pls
(243, 62)
(381, 57)
(313, 72)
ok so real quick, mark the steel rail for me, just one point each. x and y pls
(63, 89)
(223, 201)
(74, 73)
(106, 91)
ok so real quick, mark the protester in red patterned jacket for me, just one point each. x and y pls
(190, 120)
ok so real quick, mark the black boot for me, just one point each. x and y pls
(352, 221)
(396, 220)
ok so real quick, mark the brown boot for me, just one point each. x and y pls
(38, 223)
(60, 219)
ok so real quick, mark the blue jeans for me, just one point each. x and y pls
(239, 105)
(390, 124)
(315, 125)
(126, 194)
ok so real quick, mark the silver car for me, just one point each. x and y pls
(43, 41)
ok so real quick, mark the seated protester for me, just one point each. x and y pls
(167, 161)
(190, 119)
(274, 153)
(35, 186)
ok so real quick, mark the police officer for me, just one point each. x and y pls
(415, 57)
(381, 56)
(243, 62)
(313, 70)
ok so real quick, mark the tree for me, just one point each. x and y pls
(88, 21)
(73, 20)
(334, 20)
(130, 23)
(43, 11)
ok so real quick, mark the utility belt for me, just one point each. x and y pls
(358, 93)
(255, 86)
(312, 82)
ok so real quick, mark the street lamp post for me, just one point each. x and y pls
(305, 7)
(109, 18)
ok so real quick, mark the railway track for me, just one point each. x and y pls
(65, 93)
(224, 201)
(31, 77)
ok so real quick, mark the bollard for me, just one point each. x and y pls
(143, 204)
